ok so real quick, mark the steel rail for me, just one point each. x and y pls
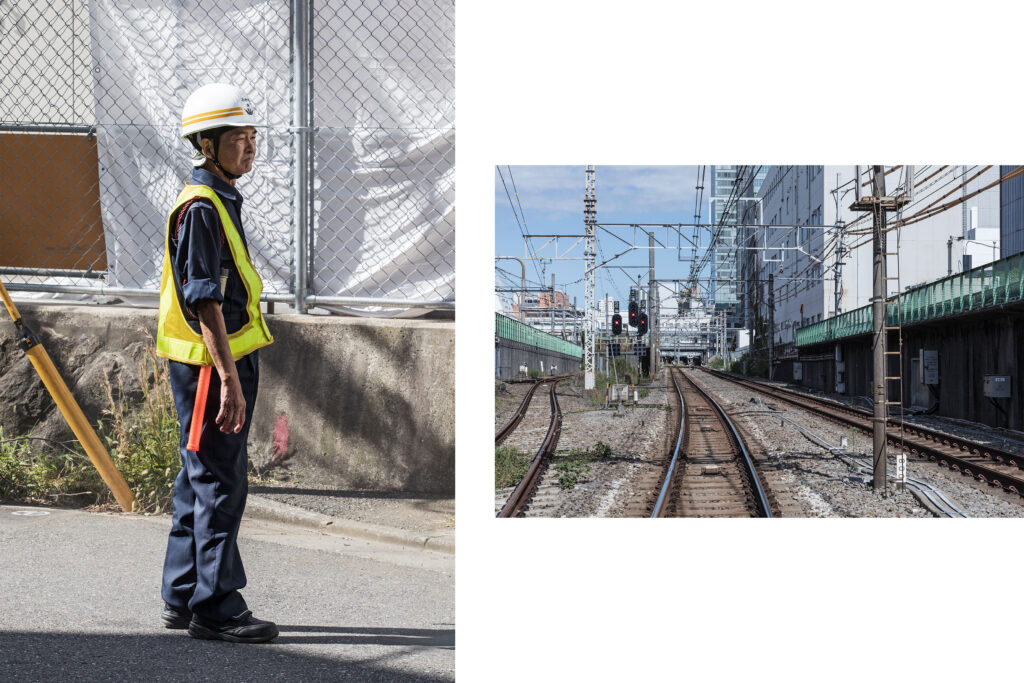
(951, 441)
(524, 490)
(945, 507)
(762, 498)
(920, 448)
(663, 496)
(517, 417)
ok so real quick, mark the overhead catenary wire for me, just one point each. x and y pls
(733, 198)
(521, 224)
(920, 198)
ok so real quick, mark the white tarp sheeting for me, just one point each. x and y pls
(383, 92)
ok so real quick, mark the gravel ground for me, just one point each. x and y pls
(399, 510)
(507, 397)
(635, 435)
(1007, 439)
(825, 486)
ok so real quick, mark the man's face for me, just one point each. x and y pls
(237, 149)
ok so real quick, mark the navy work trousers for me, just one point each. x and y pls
(203, 570)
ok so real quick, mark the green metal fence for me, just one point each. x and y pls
(996, 283)
(513, 330)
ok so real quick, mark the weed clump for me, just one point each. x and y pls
(144, 439)
(141, 436)
(35, 475)
(510, 466)
(574, 465)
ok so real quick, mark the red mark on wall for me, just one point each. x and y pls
(280, 440)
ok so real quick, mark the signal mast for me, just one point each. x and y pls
(590, 226)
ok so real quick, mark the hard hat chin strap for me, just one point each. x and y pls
(229, 174)
(198, 144)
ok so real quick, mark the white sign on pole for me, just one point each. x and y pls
(901, 470)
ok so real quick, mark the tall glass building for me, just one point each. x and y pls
(723, 214)
(727, 208)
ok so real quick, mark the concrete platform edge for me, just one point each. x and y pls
(258, 507)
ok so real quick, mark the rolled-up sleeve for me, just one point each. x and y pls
(198, 257)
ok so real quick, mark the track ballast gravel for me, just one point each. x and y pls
(824, 485)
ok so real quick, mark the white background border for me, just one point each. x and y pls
(738, 82)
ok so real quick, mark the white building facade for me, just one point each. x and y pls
(832, 246)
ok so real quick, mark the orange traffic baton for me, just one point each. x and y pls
(199, 409)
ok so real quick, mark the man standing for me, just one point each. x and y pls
(210, 316)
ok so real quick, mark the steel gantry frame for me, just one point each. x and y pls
(589, 252)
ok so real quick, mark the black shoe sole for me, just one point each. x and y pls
(179, 622)
(203, 633)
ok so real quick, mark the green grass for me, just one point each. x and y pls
(30, 473)
(143, 439)
(140, 432)
(510, 466)
(576, 464)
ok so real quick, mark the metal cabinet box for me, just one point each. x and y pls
(997, 386)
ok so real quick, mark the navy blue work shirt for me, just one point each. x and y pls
(201, 254)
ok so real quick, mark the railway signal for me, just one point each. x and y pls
(641, 327)
(616, 324)
(633, 313)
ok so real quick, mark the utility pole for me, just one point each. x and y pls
(652, 307)
(878, 204)
(771, 326)
(552, 302)
(590, 225)
(839, 266)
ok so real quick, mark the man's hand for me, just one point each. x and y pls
(232, 406)
(231, 416)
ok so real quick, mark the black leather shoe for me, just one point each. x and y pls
(174, 617)
(244, 629)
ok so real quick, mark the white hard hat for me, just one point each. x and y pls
(215, 105)
(212, 106)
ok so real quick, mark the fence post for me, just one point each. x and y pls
(300, 133)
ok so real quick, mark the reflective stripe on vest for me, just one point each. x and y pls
(174, 338)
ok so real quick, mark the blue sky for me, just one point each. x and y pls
(552, 202)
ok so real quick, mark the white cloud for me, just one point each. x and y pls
(554, 192)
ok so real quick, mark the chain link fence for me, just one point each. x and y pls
(350, 203)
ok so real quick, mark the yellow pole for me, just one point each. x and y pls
(70, 410)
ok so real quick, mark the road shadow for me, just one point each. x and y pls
(30, 656)
(352, 635)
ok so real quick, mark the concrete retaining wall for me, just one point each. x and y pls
(347, 402)
(509, 355)
(969, 348)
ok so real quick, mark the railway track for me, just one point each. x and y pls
(520, 497)
(981, 462)
(524, 405)
(710, 472)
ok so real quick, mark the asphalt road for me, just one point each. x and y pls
(80, 601)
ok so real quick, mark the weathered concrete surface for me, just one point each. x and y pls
(509, 355)
(366, 404)
(347, 402)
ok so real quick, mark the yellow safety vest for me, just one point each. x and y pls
(175, 339)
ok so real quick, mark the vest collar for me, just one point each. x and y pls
(200, 176)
